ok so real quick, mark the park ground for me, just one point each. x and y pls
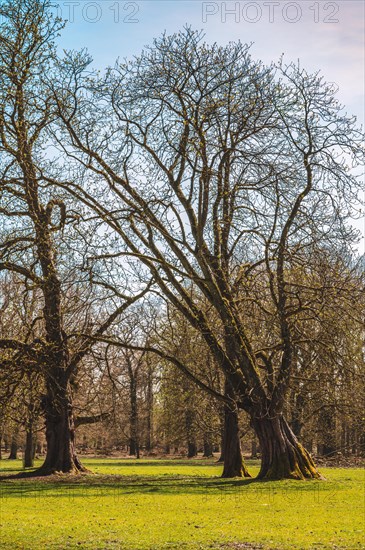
(173, 504)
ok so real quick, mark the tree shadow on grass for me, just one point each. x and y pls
(114, 486)
(157, 462)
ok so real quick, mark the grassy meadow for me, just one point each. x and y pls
(158, 504)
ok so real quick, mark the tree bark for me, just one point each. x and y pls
(222, 417)
(282, 456)
(14, 446)
(234, 465)
(60, 431)
(192, 449)
(207, 448)
(29, 448)
(133, 418)
(149, 426)
(190, 435)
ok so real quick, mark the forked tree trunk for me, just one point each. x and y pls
(282, 456)
(234, 465)
(60, 432)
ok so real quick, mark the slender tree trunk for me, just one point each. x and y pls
(282, 456)
(192, 449)
(190, 435)
(39, 448)
(207, 447)
(234, 465)
(149, 426)
(29, 447)
(222, 429)
(14, 446)
(253, 448)
(133, 418)
(60, 430)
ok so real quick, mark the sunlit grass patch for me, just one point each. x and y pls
(179, 504)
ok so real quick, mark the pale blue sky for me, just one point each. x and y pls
(324, 35)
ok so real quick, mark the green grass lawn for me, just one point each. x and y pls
(153, 504)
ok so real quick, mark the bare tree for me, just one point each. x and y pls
(219, 169)
(35, 221)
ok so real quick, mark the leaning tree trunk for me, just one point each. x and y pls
(282, 456)
(60, 430)
(234, 465)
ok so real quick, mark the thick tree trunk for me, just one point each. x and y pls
(234, 465)
(282, 456)
(60, 432)
(29, 448)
